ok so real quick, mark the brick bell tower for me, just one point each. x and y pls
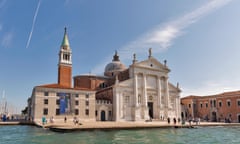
(65, 63)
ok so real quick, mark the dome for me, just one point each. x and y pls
(114, 66)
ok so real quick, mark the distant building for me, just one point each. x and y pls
(224, 107)
(135, 93)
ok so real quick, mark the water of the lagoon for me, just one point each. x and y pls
(206, 135)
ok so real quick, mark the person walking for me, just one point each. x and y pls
(174, 121)
(65, 119)
(168, 120)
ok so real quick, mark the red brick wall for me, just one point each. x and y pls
(65, 75)
(88, 82)
(186, 102)
(203, 108)
(216, 112)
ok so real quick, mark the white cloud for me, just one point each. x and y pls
(7, 39)
(33, 24)
(211, 88)
(162, 36)
(2, 3)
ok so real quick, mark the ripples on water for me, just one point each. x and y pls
(207, 135)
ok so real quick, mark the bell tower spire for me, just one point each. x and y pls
(65, 42)
(65, 54)
(65, 62)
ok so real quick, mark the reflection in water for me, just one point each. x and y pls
(33, 135)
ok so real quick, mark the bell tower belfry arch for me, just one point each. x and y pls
(65, 62)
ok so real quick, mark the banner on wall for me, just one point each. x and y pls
(64, 103)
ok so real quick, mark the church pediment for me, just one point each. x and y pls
(173, 87)
(152, 63)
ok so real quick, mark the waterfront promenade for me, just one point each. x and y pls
(70, 126)
(110, 125)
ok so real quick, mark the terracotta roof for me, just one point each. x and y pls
(61, 87)
(224, 94)
(191, 97)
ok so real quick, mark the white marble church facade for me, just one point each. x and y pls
(146, 94)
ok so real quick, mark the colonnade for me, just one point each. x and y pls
(136, 107)
(162, 89)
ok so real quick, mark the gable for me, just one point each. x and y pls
(173, 88)
(152, 63)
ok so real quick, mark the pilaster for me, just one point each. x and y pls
(135, 90)
(144, 91)
(167, 98)
(158, 96)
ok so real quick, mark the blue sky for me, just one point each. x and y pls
(199, 39)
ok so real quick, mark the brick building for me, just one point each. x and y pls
(224, 107)
(60, 100)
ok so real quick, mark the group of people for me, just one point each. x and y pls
(44, 120)
(196, 120)
(75, 120)
(228, 120)
(190, 120)
(174, 120)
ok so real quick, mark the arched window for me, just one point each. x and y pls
(220, 103)
(228, 102)
(139, 99)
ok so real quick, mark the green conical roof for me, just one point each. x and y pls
(65, 41)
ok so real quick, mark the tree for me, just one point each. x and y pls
(25, 111)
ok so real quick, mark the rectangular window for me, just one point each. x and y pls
(76, 102)
(189, 105)
(87, 112)
(127, 99)
(57, 101)
(45, 111)
(206, 105)
(214, 103)
(46, 101)
(57, 111)
(76, 111)
(96, 113)
(45, 93)
(87, 96)
(201, 105)
(76, 95)
(87, 103)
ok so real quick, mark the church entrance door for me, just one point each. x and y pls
(239, 118)
(103, 116)
(150, 109)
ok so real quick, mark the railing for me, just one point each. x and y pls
(103, 102)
